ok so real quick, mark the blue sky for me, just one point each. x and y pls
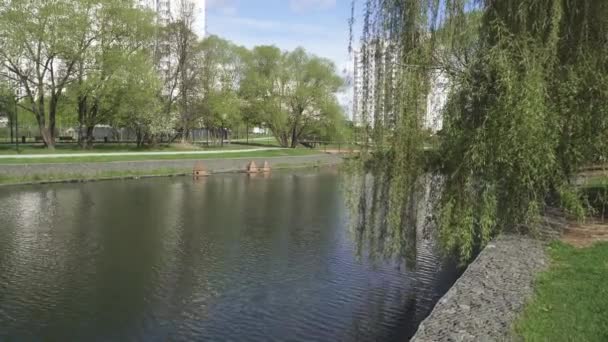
(320, 26)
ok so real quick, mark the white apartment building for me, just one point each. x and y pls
(359, 94)
(369, 92)
(374, 83)
(436, 100)
(168, 10)
(365, 85)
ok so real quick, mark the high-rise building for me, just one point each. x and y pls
(359, 93)
(168, 10)
(436, 100)
(374, 83)
(201, 23)
(375, 86)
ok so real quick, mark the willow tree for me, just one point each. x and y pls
(291, 92)
(527, 108)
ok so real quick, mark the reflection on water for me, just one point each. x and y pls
(404, 237)
(228, 257)
(401, 234)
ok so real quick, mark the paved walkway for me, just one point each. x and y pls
(119, 154)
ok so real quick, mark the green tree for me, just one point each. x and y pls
(180, 59)
(135, 97)
(41, 43)
(527, 108)
(261, 88)
(291, 92)
(222, 71)
(8, 106)
(121, 35)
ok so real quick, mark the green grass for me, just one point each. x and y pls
(571, 301)
(6, 180)
(102, 159)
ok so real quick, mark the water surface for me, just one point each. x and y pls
(226, 258)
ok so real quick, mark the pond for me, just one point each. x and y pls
(230, 257)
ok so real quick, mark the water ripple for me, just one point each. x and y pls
(230, 259)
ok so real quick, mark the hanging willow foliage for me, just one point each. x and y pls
(527, 107)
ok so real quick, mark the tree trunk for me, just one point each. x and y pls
(11, 124)
(39, 109)
(88, 142)
(52, 115)
(139, 137)
(153, 140)
(47, 138)
(294, 137)
(185, 134)
(283, 139)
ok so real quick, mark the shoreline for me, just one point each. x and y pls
(491, 294)
(38, 174)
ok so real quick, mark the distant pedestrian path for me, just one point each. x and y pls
(121, 154)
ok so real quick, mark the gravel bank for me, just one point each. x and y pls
(483, 304)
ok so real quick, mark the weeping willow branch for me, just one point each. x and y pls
(527, 107)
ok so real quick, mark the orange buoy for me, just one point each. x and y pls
(266, 167)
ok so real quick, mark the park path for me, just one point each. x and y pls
(119, 154)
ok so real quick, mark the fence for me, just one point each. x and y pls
(104, 134)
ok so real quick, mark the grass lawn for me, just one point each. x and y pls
(71, 176)
(73, 148)
(100, 159)
(571, 301)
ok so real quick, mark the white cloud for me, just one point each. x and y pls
(311, 5)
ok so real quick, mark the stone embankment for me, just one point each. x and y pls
(484, 302)
(487, 299)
